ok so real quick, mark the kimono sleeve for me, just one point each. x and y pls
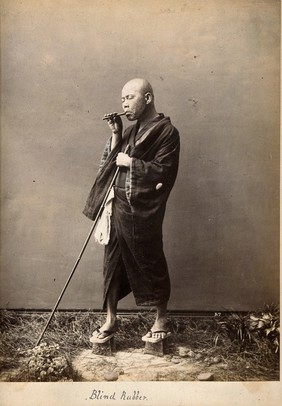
(105, 154)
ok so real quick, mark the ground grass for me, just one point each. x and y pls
(248, 344)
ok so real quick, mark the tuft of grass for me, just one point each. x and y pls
(255, 329)
(252, 340)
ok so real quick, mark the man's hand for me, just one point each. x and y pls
(123, 160)
(114, 122)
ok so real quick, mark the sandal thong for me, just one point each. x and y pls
(101, 336)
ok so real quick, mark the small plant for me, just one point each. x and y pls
(233, 326)
(252, 328)
(267, 324)
(46, 364)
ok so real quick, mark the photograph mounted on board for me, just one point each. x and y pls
(140, 192)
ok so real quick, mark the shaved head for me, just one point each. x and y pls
(139, 84)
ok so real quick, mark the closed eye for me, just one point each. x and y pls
(128, 97)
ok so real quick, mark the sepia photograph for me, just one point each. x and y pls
(140, 202)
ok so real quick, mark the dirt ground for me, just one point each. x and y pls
(134, 365)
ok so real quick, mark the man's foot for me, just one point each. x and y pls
(101, 337)
(156, 336)
(160, 327)
(105, 333)
(159, 331)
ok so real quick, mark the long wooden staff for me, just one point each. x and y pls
(82, 251)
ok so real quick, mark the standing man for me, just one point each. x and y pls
(134, 259)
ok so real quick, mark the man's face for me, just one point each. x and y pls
(133, 101)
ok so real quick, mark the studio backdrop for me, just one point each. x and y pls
(215, 69)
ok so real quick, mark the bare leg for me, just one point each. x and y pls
(160, 322)
(110, 324)
(112, 301)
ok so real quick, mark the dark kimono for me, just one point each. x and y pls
(134, 255)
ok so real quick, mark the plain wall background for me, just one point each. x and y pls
(215, 69)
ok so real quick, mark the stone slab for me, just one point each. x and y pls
(135, 366)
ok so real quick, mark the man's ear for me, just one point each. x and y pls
(148, 97)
